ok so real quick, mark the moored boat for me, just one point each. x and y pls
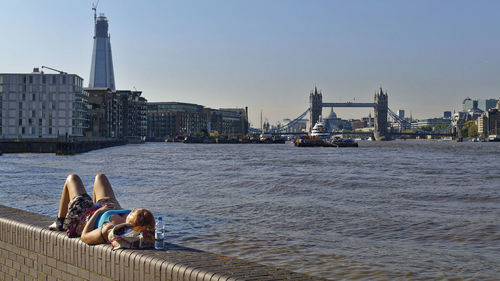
(341, 142)
(494, 138)
(318, 142)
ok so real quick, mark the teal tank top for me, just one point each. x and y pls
(106, 215)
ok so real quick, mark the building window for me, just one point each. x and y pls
(20, 122)
(43, 79)
(33, 97)
(31, 79)
(64, 79)
(23, 131)
(53, 79)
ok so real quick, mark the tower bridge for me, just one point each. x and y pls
(380, 108)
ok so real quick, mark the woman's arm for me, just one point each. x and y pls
(92, 235)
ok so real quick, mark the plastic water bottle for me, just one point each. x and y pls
(159, 234)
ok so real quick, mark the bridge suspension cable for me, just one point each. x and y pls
(290, 124)
(402, 122)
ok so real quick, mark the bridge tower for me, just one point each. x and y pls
(380, 110)
(315, 107)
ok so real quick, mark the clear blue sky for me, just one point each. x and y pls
(268, 54)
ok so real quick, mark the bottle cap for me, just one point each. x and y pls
(160, 218)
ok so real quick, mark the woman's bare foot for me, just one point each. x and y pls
(57, 225)
(53, 226)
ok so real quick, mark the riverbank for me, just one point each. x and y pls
(61, 146)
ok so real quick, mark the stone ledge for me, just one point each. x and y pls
(30, 251)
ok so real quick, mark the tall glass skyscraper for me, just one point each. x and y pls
(101, 72)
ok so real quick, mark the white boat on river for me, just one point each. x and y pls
(319, 130)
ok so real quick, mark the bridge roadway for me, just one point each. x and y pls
(348, 104)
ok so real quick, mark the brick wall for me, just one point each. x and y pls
(29, 251)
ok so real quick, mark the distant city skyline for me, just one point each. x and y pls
(268, 55)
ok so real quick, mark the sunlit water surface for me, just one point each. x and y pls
(409, 210)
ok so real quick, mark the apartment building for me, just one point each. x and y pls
(40, 105)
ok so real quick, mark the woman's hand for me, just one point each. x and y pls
(107, 206)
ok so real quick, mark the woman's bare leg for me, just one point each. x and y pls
(72, 187)
(102, 188)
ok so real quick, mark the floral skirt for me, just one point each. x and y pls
(76, 208)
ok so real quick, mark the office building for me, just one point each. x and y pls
(482, 126)
(133, 114)
(432, 122)
(482, 104)
(101, 71)
(104, 113)
(401, 113)
(40, 105)
(486, 104)
(357, 124)
(489, 122)
(173, 119)
(229, 121)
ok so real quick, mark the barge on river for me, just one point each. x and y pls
(318, 142)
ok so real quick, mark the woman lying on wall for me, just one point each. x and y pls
(94, 219)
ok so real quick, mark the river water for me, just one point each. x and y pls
(401, 209)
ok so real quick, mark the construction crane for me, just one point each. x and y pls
(94, 8)
(60, 72)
